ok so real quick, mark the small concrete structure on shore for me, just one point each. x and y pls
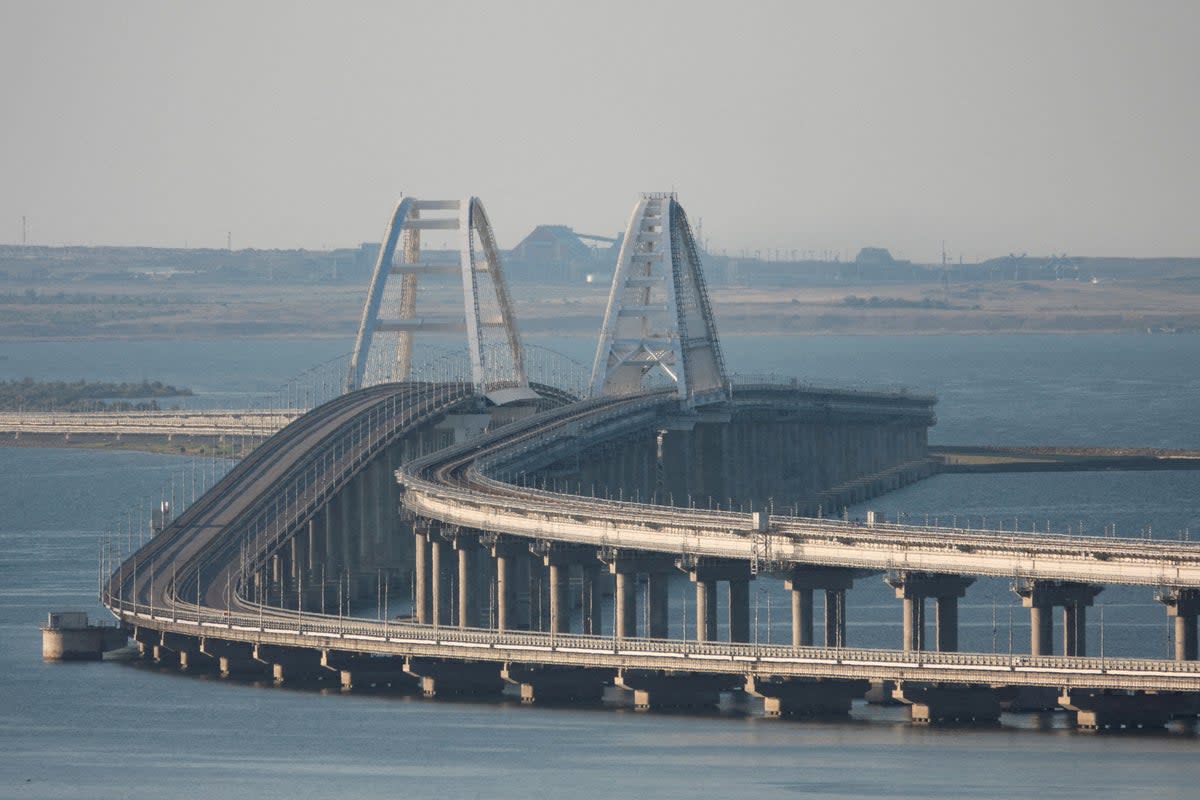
(67, 636)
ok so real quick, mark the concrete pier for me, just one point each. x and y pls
(465, 546)
(504, 554)
(706, 575)
(706, 610)
(625, 568)
(833, 581)
(914, 588)
(675, 690)
(443, 677)
(931, 704)
(1096, 710)
(557, 585)
(421, 576)
(1183, 606)
(193, 659)
(799, 697)
(440, 583)
(290, 664)
(234, 659)
(364, 673)
(549, 684)
(1040, 597)
(67, 636)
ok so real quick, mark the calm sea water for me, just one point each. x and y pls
(109, 730)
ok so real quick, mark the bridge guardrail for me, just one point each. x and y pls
(378, 636)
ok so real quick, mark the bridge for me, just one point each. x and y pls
(483, 504)
(124, 427)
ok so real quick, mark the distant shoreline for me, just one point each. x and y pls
(583, 334)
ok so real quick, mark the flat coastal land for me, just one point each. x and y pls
(148, 293)
(161, 309)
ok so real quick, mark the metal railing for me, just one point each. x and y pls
(274, 625)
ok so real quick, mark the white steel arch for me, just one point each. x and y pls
(496, 360)
(658, 316)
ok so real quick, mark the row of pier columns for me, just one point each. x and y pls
(452, 573)
(1041, 598)
(355, 546)
(833, 581)
(544, 574)
(914, 588)
(928, 703)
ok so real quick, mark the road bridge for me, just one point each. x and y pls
(192, 590)
(108, 427)
(484, 505)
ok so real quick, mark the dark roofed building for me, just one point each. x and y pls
(551, 244)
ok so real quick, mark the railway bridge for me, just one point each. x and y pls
(499, 516)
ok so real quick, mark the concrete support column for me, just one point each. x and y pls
(1041, 630)
(1185, 638)
(1040, 597)
(557, 585)
(502, 590)
(625, 602)
(625, 567)
(946, 611)
(706, 611)
(834, 581)
(1184, 606)
(914, 623)
(421, 578)
(465, 599)
(835, 617)
(659, 606)
(802, 617)
(737, 574)
(913, 588)
(739, 610)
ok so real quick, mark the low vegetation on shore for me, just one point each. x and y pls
(30, 395)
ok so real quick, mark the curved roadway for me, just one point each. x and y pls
(460, 485)
(185, 579)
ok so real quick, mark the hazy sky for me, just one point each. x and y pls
(823, 126)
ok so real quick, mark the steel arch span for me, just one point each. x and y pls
(496, 359)
(659, 318)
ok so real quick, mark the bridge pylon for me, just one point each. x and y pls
(496, 359)
(658, 318)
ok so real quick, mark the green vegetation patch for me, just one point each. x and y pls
(30, 395)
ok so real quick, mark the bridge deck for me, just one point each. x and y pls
(272, 492)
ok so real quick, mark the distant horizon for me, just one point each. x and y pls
(765, 257)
